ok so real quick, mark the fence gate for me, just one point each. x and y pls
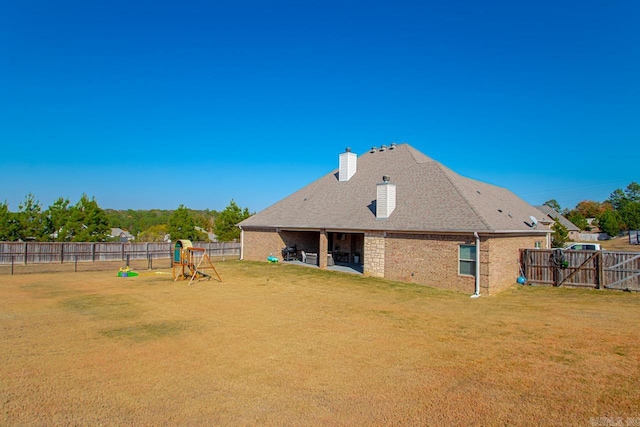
(622, 270)
(588, 269)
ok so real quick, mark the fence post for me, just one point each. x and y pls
(149, 260)
(25, 253)
(12, 261)
(93, 252)
(128, 259)
(600, 270)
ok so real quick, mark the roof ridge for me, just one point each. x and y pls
(446, 172)
(414, 153)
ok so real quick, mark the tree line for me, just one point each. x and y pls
(85, 221)
(619, 213)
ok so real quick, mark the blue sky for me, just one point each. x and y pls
(153, 104)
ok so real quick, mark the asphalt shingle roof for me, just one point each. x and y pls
(558, 217)
(430, 197)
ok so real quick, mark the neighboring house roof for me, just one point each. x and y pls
(429, 197)
(119, 232)
(211, 236)
(551, 213)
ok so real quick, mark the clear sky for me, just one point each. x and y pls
(153, 104)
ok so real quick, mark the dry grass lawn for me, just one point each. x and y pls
(620, 244)
(285, 345)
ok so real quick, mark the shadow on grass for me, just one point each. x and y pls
(147, 331)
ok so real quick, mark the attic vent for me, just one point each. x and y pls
(348, 165)
(393, 145)
(386, 198)
(383, 147)
(373, 150)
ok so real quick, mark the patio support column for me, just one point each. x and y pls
(322, 249)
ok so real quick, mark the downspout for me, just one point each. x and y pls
(476, 294)
(241, 243)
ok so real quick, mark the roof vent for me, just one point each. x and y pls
(348, 164)
(386, 198)
(393, 145)
(373, 150)
(383, 147)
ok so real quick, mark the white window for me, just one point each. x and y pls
(467, 257)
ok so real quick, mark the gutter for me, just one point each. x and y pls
(476, 294)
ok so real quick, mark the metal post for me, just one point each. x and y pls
(128, 259)
(75, 264)
(25, 253)
(12, 261)
(61, 253)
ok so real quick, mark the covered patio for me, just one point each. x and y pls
(335, 251)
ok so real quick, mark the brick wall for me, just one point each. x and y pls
(504, 253)
(427, 259)
(260, 243)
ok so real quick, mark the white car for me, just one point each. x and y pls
(583, 247)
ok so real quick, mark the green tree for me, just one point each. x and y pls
(630, 214)
(10, 227)
(155, 233)
(632, 192)
(86, 222)
(610, 222)
(225, 224)
(627, 205)
(553, 204)
(618, 199)
(560, 235)
(578, 220)
(54, 219)
(182, 225)
(30, 218)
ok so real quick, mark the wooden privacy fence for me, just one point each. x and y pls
(44, 252)
(589, 269)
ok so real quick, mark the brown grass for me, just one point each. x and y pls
(620, 244)
(285, 345)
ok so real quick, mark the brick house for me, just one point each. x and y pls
(574, 231)
(403, 216)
